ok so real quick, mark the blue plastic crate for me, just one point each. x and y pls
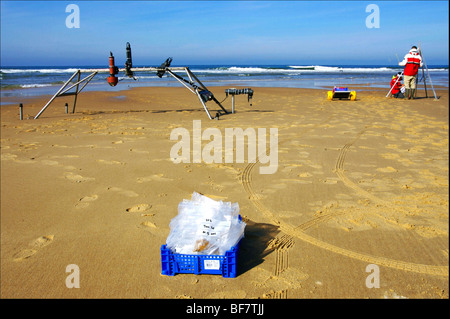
(225, 265)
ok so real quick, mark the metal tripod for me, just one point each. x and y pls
(427, 75)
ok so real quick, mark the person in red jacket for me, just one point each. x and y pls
(412, 62)
(396, 85)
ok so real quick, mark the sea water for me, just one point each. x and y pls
(34, 81)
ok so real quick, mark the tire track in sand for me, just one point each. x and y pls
(298, 232)
(281, 246)
(339, 170)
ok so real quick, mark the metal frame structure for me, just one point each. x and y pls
(64, 92)
(194, 85)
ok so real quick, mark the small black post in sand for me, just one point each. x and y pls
(67, 108)
(21, 111)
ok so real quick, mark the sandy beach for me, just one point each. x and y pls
(359, 184)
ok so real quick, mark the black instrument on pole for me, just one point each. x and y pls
(163, 66)
(128, 63)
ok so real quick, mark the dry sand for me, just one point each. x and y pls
(358, 183)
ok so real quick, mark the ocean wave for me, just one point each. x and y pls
(49, 71)
(334, 69)
(244, 70)
(301, 69)
(227, 70)
(11, 71)
(26, 86)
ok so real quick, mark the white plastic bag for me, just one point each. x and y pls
(205, 226)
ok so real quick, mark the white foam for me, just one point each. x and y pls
(34, 85)
(46, 71)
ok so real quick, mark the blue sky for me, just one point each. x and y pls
(222, 32)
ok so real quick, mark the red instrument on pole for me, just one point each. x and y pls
(113, 70)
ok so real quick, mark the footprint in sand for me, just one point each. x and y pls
(330, 180)
(139, 208)
(24, 254)
(89, 198)
(77, 178)
(42, 241)
(108, 162)
(35, 245)
(148, 224)
(84, 201)
(156, 178)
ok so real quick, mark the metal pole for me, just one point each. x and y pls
(429, 77)
(204, 106)
(21, 111)
(180, 79)
(398, 78)
(76, 93)
(232, 104)
(417, 86)
(55, 96)
(67, 108)
(424, 82)
(88, 78)
(218, 103)
(196, 79)
(423, 73)
(189, 75)
(194, 88)
(176, 68)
